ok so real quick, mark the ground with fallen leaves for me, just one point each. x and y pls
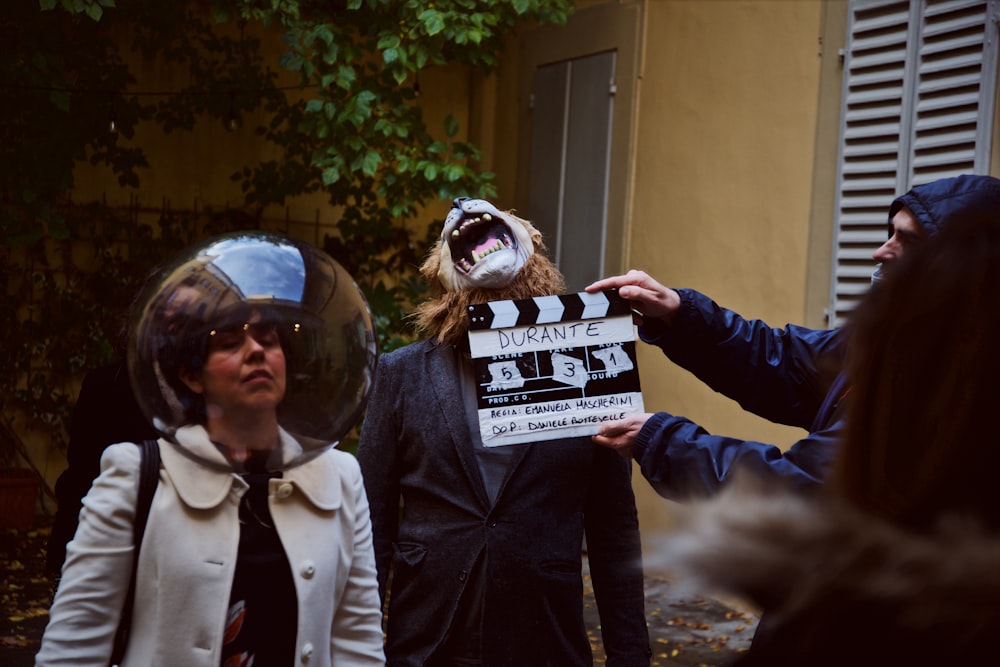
(25, 593)
(684, 631)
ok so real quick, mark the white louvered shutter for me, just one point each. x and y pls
(918, 100)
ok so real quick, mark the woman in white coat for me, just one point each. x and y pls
(245, 560)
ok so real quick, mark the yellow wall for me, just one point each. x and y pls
(723, 176)
(719, 174)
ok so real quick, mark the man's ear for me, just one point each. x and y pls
(192, 380)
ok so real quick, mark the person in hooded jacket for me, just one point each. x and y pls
(791, 375)
(896, 560)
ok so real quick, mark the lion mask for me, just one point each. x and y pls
(483, 255)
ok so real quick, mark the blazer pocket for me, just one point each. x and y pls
(561, 567)
(409, 554)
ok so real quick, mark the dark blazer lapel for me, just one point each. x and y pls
(520, 452)
(443, 371)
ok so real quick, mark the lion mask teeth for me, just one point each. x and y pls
(481, 247)
(476, 238)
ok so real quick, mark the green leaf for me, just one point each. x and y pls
(432, 20)
(354, 141)
(421, 57)
(366, 97)
(324, 33)
(371, 162)
(291, 60)
(346, 76)
(388, 42)
(330, 176)
(450, 125)
(331, 54)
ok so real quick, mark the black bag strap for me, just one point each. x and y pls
(149, 477)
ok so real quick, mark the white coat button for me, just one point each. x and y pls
(307, 651)
(308, 569)
(284, 491)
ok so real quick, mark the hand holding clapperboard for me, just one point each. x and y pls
(553, 366)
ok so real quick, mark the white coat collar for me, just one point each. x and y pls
(202, 487)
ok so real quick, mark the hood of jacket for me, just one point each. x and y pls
(791, 554)
(934, 204)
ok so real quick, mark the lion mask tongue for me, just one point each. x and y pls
(481, 247)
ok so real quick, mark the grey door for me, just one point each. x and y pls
(571, 114)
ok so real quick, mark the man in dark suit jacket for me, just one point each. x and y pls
(482, 565)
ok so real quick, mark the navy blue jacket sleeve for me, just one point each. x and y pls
(783, 375)
(682, 461)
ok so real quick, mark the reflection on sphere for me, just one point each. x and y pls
(321, 318)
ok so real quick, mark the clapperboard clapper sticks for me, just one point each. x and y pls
(553, 366)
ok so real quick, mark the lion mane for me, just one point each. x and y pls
(444, 315)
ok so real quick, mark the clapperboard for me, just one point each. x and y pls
(553, 366)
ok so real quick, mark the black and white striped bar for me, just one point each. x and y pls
(546, 309)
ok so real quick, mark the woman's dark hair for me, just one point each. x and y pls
(186, 349)
(924, 363)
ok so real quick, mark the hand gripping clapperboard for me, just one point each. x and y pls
(553, 366)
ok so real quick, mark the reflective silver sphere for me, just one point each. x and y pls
(320, 316)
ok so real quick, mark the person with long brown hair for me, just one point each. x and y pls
(480, 548)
